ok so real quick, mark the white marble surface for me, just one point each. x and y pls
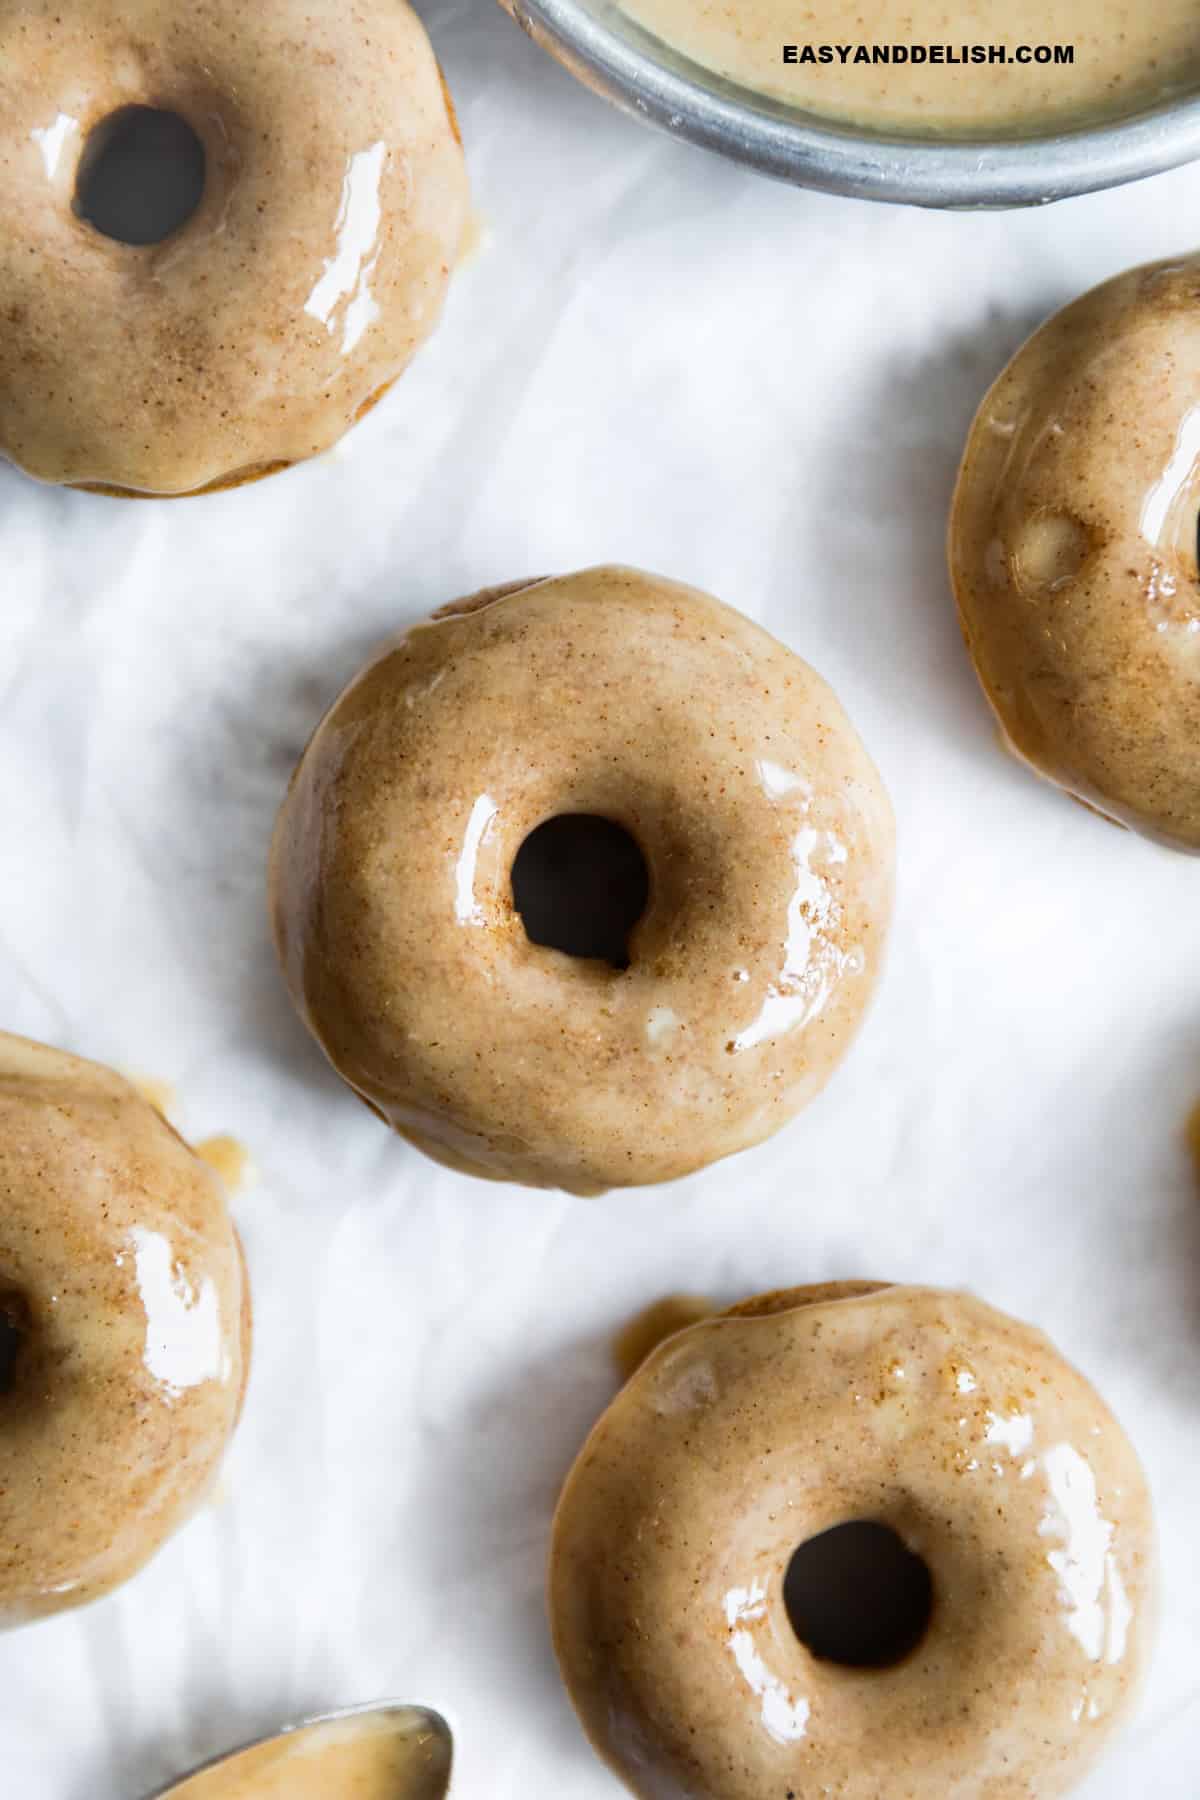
(662, 360)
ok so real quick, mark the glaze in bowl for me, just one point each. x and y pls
(617, 58)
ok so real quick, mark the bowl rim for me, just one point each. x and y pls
(952, 173)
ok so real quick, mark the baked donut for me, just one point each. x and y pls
(322, 151)
(584, 883)
(853, 1540)
(1073, 551)
(124, 1330)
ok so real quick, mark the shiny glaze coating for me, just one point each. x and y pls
(745, 1436)
(1073, 550)
(120, 1263)
(763, 824)
(397, 1753)
(313, 269)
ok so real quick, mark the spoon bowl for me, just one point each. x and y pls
(380, 1752)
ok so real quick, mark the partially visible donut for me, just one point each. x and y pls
(707, 752)
(987, 1654)
(333, 206)
(124, 1330)
(1074, 550)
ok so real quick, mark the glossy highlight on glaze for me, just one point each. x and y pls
(347, 274)
(186, 1344)
(766, 836)
(748, 1434)
(117, 1249)
(370, 1753)
(334, 204)
(1074, 551)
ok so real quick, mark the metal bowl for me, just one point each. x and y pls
(640, 74)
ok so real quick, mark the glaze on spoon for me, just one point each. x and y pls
(368, 1753)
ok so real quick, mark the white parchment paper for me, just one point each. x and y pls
(657, 359)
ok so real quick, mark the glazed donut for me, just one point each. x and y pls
(738, 823)
(853, 1540)
(332, 204)
(1073, 551)
(124, 1330)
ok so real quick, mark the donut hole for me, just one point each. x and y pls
(141, 175)
(858, 1596)
(580, 884)
(14, 1329)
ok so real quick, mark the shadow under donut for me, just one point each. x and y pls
(140, 1770)
(486, 1504)
(903, 478)
(227, 773)
(1178, 1230)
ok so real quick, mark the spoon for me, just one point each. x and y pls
(381, 1752)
